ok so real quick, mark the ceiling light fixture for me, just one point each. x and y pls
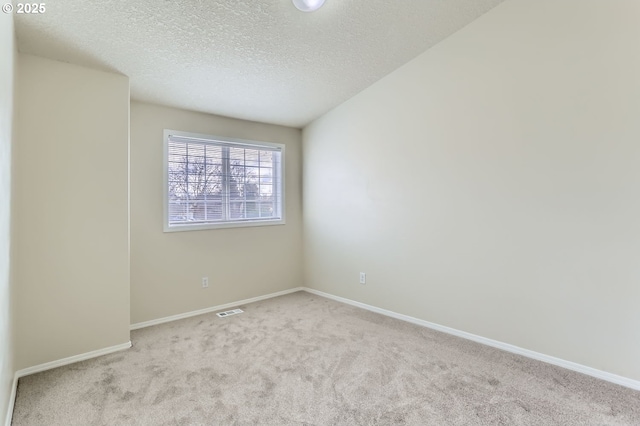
(308, 5)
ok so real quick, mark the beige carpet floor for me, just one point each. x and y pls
(303, 359)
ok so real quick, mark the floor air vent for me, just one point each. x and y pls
(228, 313)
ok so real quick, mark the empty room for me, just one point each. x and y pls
(320, 212)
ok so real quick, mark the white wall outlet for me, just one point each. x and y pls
(205, 282)
(363, 278)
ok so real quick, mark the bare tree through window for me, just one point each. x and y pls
(209, 182)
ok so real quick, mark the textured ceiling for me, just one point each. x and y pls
(260, 60)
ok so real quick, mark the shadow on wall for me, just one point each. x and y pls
(55, 43)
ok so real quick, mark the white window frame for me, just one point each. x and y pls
(280, 189)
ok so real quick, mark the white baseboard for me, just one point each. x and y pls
(212, 309)
(609, 377)
(55, 364)
(72, 359)
(12, 400)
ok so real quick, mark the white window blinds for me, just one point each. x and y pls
(212, 182)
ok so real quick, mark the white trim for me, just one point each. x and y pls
(223, 225)
(150, 323)
(54, 364)
(12, 400)
(569, 365)
(70, 360)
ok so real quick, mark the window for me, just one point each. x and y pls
(213, 182)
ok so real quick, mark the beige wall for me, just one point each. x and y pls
(491, 184)
(7, 53)
(166, 268)
(71, 225)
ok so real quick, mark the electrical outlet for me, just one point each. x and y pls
(363, 278)
(205, 282)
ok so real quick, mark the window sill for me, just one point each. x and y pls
(207, 226)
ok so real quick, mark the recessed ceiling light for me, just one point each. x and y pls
(308, 5)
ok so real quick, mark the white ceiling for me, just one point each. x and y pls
(260, 60)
